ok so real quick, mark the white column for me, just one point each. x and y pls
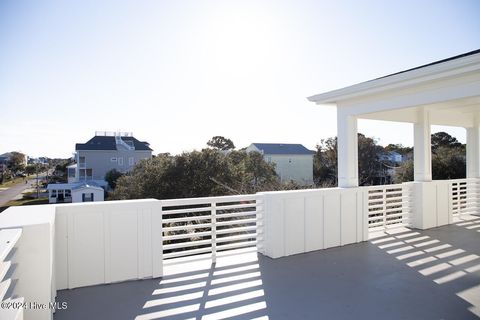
(347, 146)
(424, 215)
(473, 150)
(422, 151)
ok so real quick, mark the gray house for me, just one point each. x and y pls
(107, 151)
(292, 161)
(102, 153)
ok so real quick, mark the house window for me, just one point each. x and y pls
(89, 174)
(120, 161)
(68, 193)
(113, 159)
(87, 197)
(54, 194)
(131, 161)
(71, 172)
(81, 160)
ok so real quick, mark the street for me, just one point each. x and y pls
(12, 192)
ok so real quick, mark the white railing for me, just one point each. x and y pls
(211, 225)
(113, 133)
(389, 206)
(464, 196)
(119, 140)
(11, 307)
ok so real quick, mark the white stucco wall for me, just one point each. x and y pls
(98, 195)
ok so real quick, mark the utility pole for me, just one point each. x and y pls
(36, 169)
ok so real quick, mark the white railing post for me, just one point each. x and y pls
(214, 231)
(157, 239)
(260, 231)
(384, 197)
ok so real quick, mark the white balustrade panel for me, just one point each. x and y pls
(305, 220)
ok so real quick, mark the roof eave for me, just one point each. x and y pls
(415, 76)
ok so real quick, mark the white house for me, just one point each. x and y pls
(74, 192)
(293, 162)
(391, 156)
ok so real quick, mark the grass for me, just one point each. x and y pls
(13, 182)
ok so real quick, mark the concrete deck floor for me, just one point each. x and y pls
(407, 274)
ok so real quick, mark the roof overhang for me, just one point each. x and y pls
(450, 89)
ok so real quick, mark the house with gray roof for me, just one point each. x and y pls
(293, 162)
(93, 159)
(104, 152)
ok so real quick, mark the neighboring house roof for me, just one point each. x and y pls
(108, 143)
(282, 148)
(89, 185)
(5, 156)
(73, 186)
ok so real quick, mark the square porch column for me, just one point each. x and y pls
(473, 149)
(424, 190)
(422, 151)
(347, 146)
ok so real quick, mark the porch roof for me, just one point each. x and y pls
(449, 89)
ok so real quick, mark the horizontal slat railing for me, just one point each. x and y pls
(209, 225)
(464, 196)
(389, 206)
(11, 307)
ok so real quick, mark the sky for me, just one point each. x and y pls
(176, 73)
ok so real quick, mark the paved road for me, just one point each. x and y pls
(12, 192)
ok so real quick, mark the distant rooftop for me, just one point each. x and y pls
(282, 148)
(113, 134)
(104, 140)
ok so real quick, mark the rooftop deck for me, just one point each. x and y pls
(406, 274)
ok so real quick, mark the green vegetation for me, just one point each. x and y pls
(448, 161)
(112, 176)
(221, 143)
(198, 174)
(220, 170)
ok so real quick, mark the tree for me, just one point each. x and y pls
(30, 169)
(16, 162)
(369, 165)
(112, 176)
(221, 143)
(404, 173)
(448, 160)
(399, 148)
(325, 162)
(197, 174)
(443, 139)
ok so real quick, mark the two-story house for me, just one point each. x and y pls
(107, 151)
(102, 153)
(293, 162)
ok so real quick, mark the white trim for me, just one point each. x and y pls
(409, 78)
